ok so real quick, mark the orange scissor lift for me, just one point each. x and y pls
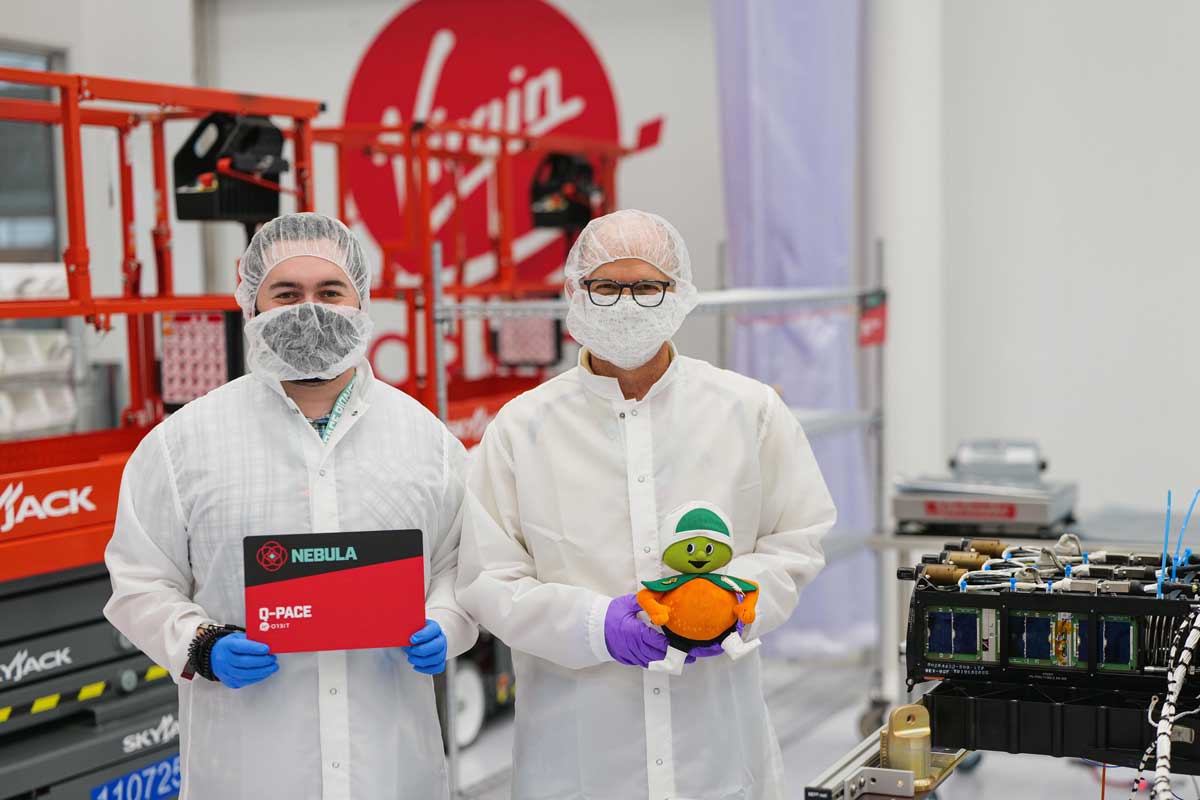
(43, 538)
(418, 147)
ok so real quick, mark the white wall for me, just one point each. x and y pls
(659, 56)
(902, 222)
(1072, 183)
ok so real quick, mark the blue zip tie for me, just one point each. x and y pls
(1175, 565)
(1049, 586)
(1007, 556)
(1085, 558)
(987, 567)
(1166, 545)
(1068, 570)
(962, 584)
(1012, 584)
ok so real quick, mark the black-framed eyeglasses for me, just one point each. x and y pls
(647, 293)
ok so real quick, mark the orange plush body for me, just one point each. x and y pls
(698, 609)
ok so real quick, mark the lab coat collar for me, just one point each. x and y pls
(610, 388)
(364, 376)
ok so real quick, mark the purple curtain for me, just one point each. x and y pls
(789, 94)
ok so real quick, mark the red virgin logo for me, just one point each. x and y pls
(519, 66)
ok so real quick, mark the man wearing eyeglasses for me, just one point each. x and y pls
(562, 525)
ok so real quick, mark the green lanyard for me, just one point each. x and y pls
(335, 416)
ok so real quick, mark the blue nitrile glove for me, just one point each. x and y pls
(427, 651)
(238, 661)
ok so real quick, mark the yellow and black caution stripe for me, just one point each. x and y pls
(53, 702)
(75, 695)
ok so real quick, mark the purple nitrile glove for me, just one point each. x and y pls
(710, 650)
(630, 640)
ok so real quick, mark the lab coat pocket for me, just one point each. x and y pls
(547, 546)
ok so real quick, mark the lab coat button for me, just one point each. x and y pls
(641, 478)
(622, 415)
(322, 473)
(658, 691)
(634, 412)
(659, 762)
(333, 691)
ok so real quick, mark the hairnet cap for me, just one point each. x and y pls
(631, 234)
(307, 234)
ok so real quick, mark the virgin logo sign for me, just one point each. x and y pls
(518, 66)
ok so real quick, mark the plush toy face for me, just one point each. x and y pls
(697, 555)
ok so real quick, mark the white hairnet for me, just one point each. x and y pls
(307, 234)
(632, 234)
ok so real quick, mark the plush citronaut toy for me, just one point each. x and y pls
(698, 607)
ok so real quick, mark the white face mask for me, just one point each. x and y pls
(307, 341)
(624, 334)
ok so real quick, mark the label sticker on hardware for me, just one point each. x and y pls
(156, 781)
(961, 509)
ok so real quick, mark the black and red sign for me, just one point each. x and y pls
(334, 591)
(872, 319)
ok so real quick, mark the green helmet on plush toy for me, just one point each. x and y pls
(700, 542)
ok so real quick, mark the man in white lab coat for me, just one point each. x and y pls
(308, 442)
(565, 501)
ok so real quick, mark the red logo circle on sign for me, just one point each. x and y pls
(519, 66)
(272, 556)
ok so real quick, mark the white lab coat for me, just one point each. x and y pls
(564, 503)
(243, 460)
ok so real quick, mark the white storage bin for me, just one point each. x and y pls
(33, 281)
(36, 411)
(40, 353)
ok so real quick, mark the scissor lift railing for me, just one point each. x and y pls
(54, 463)
(455, 145)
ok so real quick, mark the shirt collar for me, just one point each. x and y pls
(610, 388)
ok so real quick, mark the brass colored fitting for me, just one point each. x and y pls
(993, 548)
(943, 574)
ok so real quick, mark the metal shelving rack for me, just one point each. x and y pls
(722, 302)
